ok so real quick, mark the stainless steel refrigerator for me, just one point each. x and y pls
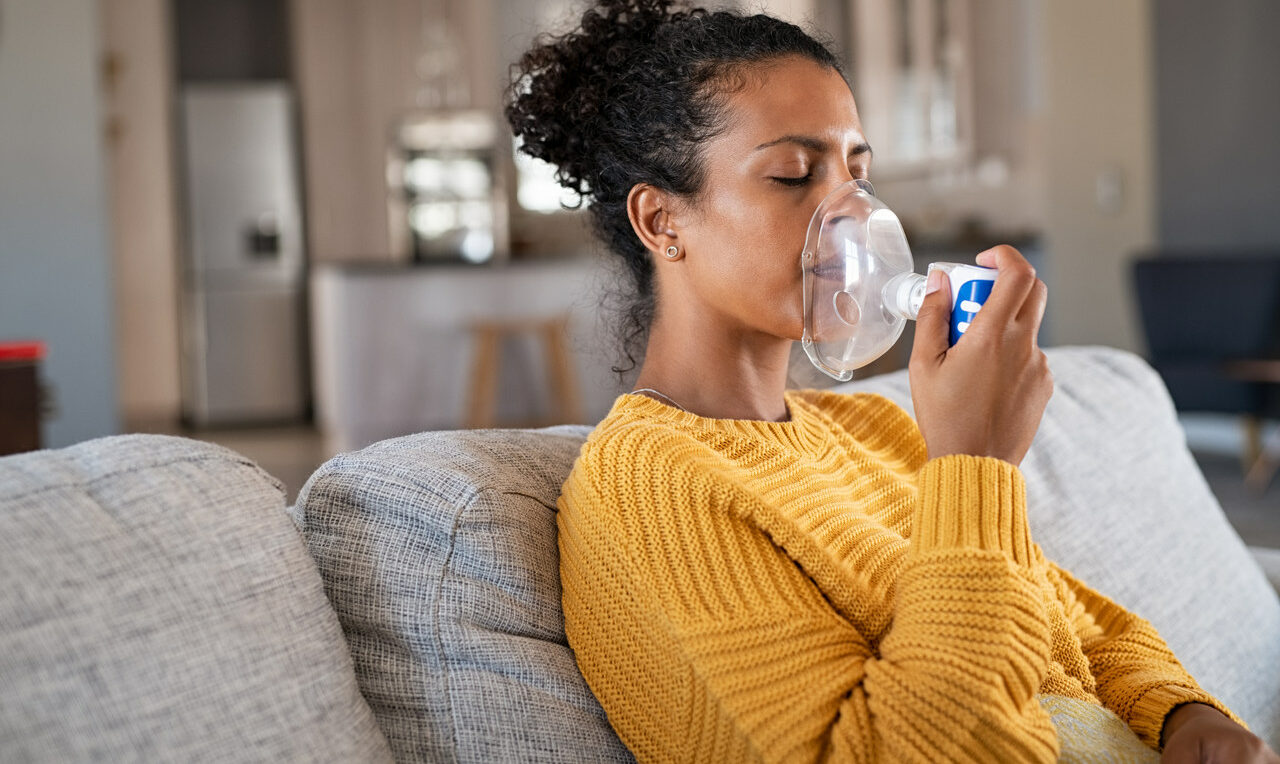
(244, 357)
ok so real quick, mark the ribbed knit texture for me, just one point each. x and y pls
(815, 589)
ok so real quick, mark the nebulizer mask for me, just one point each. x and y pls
(860, 286)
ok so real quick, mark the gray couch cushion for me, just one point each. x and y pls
(439, 553)
(159, 605)
(1115, 497)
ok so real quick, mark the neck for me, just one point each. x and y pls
(717, 373)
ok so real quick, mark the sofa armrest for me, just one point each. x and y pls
(157, 605)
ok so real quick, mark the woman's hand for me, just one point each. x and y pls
(984, 396)
(1197, 733)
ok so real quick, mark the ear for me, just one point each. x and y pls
(650, 211)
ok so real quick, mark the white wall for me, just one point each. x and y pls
(137, 40)
(54, 255)
(1099, 131)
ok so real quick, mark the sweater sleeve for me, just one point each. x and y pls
(1137, 674)
(713, 644)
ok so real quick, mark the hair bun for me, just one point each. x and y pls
(564, 86)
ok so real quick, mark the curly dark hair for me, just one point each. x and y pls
(627, 98)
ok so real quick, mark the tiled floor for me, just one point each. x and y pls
(293, 453)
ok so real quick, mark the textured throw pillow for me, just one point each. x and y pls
(158, 605)
(1115, 497)
(439, 553)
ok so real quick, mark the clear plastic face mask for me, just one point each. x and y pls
(856, 269)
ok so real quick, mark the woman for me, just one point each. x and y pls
(756, 573)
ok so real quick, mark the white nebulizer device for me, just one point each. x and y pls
(860, 285)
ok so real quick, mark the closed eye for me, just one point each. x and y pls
(793, 182)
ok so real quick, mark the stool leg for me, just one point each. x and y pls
(1252, 443)
(484, 377)
(1265, 465)
(564, 387)
(1262, 473)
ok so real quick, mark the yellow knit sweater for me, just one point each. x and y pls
(815, 589)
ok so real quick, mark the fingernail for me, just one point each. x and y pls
(935, 281)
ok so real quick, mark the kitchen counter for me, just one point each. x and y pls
(393, 346)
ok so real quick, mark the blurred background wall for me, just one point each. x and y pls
(1216, 124)
(137, 84)
(1099, 150)
(56, 273)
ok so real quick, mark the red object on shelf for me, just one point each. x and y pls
(22, 351)
(20, 396)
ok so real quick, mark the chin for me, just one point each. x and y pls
(791, 329)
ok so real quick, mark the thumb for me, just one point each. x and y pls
(933, 323)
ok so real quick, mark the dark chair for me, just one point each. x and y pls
(1200, 314)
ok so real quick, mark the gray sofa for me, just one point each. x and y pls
(161, 603)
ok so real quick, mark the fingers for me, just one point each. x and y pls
(1032, 313)
(933, 322)
(1015, 284)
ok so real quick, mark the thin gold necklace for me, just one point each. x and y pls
(661, 395)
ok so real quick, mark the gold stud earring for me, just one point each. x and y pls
(673, 252)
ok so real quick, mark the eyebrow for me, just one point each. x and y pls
(815, 144)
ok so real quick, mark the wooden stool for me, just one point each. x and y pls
(484, 371)
(1260, 462)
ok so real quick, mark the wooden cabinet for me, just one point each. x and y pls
(20, 401)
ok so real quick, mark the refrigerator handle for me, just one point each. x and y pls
(262, 238)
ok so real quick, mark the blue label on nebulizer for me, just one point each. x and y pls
(968, 300)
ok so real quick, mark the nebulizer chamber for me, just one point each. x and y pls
(860, 285)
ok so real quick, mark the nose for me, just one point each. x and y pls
(844, 179)
(838, 179)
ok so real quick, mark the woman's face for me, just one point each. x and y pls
(792, 135)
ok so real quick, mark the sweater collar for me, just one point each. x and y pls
(803, 433)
